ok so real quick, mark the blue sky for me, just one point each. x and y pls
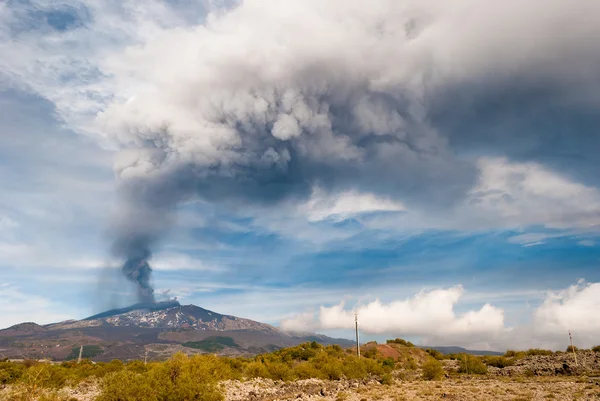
(291, 178)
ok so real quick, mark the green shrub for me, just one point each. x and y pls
(128, 386)
(472, 364)
(256, 369)
(195, 378)
(411, 364)
(306, 370)
(432, 369)
(10, 372)
(596, 348)
(280, 371)
(498, 361)
(386, 379)
(435, 353)
(371, 353)
(572, 348)
(530, 352)
(388, 363)
(181, 378)
(401, 342)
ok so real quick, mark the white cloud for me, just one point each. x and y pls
(180, 261)
(16, 304)
(573, 308)
(428, 314)
(322, 206)
(431, 317)
(509, 195)
(521, 194)
(34, 254)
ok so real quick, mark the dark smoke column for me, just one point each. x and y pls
(138, 270)
(142, 219)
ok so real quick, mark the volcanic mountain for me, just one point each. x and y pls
(153, 330)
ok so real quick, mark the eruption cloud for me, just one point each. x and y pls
(143, 218)
(269, 100)
(138, 270)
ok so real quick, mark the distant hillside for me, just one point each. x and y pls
(155, 330)
(460, 350)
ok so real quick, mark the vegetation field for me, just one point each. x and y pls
(393, 371)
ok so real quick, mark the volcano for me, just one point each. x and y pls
(149, 306)
(154, 329)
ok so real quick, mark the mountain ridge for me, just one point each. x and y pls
(157, 329)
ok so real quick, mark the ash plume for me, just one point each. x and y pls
(142, 220)
(138, 270)
(269, 100)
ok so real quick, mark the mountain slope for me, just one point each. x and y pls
(461, 350)
(157, 330)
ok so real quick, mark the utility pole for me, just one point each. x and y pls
(573, 348)
(145, 357)
(80, 354)
(356, 328)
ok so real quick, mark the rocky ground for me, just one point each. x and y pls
(561, 364)
(456, 388)
(85, 391)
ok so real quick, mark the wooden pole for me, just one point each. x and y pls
(356, 328)
(80, 354)
(573, 348)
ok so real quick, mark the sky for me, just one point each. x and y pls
(431, 166)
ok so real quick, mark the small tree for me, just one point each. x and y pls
(432, 369)
(472, 364)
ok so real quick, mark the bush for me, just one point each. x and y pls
(386, 379)
(280, 371)
(195, 378)
(389, 363)
(411, 364)
(10, 372)
(435, 353)
(498, 361)
(472, 364)
(181, 378)
(401, 342)
(530, 352)
(127, 386)
(572, 348)
(596, 348)
(432, 369)
(256, 369)
(371, 353)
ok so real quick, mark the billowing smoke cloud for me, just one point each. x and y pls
(266, 101)
(272, 99)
